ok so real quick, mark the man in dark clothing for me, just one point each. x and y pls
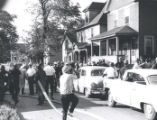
(14, 75)
(154, 66)
(40, 76)
(3, 82)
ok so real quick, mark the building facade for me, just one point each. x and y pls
(131, 30)
(121, 29)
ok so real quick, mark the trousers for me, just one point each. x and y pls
(66, 100)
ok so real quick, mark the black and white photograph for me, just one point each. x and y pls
(78, 59)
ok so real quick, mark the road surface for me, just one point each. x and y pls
(92, 106)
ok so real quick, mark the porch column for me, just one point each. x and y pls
(100, 48)
(91, 48)
(117, 47)
(107, 47)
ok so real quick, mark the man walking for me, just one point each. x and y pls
(67, 92)
(50, 76)
(30, 77)
(14, 76)
(40, 76)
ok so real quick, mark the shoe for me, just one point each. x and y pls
(70, 114)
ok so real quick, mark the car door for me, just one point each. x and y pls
(138, 90)
(125, 89)
(81, 83)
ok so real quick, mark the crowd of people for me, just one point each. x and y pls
(56, 75)
(14, 79)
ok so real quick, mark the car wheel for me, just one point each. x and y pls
(87, 93)
(111, 102)
(149, 112)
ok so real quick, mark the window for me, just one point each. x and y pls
(83, 73)
(97, 72)
(115, 23)
(92, 32)
(152, 79)
(126, 20)
(149, 45)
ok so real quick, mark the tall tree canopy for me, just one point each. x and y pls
(8, 35)
(52, 19)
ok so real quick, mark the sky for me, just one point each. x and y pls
(24, 19)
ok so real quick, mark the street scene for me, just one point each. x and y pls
(78, 60)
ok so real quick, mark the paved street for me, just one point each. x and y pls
(92, 106)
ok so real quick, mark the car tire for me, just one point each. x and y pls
(150, 112)
(111, 102)
(87, 93)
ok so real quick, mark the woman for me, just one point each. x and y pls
(67, 91)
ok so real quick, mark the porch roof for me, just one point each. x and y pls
(123, 31)
(83, 45)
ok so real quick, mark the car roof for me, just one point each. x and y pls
(92, 67)
(144, 72)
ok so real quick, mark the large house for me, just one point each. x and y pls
(94, 25)
(129, 30)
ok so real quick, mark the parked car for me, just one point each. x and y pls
(138, 89)
(90, 80)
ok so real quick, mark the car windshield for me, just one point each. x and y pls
(152, 79)
(98, 72)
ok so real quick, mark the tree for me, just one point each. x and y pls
(8, 35)
(53, 18)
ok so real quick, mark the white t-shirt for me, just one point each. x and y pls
(111, 72)
(66, 83)
(30, 72)
(49, 70)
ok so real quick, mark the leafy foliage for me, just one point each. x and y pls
(53, 18)
(8, 35)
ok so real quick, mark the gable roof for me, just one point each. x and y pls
(124, 30)
(94, 22)
(71, 36)
(98, 6)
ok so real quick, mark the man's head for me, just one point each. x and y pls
(2, 3)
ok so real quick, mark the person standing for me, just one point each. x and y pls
(30, 77)
(14, 83)
(67, 91)
(22, 78)
(154, 66)
(40, 76)
(50, 76)
(3, 82)
(111, 72)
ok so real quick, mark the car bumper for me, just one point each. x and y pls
(98, 91)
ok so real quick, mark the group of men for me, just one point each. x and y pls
(14, 79)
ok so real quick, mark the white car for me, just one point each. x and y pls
(138, 89)
(90, 80)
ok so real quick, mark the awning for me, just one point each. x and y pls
(120, 31)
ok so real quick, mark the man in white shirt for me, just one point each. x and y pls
(50, 76)
(111, 72)
(67, 91)
(31, 78)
